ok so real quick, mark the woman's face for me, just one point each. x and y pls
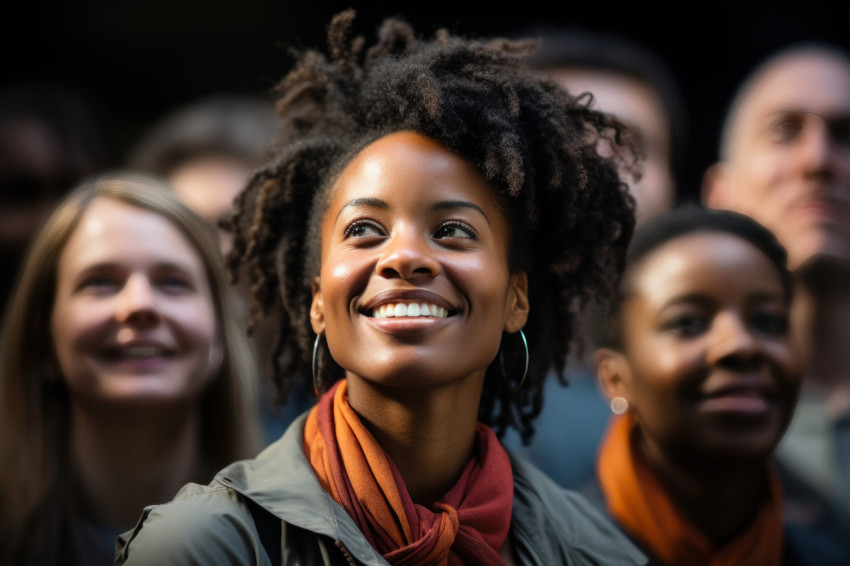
(133, 320)
(711, 367)
(414, 288)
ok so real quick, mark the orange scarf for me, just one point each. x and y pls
(639, 503)
(469, 525)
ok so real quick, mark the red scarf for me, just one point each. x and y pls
(468, 525)
(641, 505)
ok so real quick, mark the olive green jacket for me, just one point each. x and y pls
(212, 525)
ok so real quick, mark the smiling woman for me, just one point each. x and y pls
(124, 373)
(703, 376)
(430, 223)
(113, 273)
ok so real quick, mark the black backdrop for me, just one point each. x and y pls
(135, 60)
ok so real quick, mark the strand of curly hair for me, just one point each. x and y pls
(570, 213)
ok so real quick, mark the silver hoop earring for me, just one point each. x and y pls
(619, 405)
(527, 360)
(525, 368)
(316, 363)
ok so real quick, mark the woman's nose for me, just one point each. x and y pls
(137, 302)
(732, 341)
(407, 254)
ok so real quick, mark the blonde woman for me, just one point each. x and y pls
(124, 373)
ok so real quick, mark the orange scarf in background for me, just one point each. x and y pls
(468, 525)
(639, 503)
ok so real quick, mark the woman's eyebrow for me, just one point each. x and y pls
(450, 204)
(702, 299)
(368, 202)
(705, 299)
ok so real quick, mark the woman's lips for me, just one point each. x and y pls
(411, 303)
(407, 311)
(407, 324)
(739, 399)
(736, 404)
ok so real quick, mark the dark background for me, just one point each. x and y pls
(136, 60)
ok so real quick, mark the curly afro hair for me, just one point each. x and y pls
(570, 213)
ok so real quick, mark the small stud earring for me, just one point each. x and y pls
(619, 405)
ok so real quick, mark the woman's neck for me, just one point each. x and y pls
(126, 460)
(718, 503)
(429, 434)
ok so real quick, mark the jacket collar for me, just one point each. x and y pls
(281, 480)
(545, 518)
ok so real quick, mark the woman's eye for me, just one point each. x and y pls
(455, 230)
(362, 229)
(688, 325)
(775, 324)
(98, 283)
(174, 283)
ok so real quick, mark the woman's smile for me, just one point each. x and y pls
(409, 312)
(740, 397)
(137, 356)
(411, 303)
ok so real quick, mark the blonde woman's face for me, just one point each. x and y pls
(133, 321)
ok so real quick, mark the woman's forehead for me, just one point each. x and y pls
(408, 165)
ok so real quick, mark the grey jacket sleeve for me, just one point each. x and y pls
(202, 525)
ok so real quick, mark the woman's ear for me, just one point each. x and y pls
(317, 308)
(612, 370)
(517, 311)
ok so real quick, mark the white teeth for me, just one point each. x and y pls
(409, 310)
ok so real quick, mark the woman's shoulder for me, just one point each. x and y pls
(561, 526)
(202, 525)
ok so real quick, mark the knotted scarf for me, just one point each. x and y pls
(468, 525)
(639, 503)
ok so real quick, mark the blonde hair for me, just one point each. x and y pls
(35, 492)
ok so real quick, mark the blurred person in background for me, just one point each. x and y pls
(207, 150)
(702, 373)
(784, 159)
(49, 141)
(630, 81)
(125, 371)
